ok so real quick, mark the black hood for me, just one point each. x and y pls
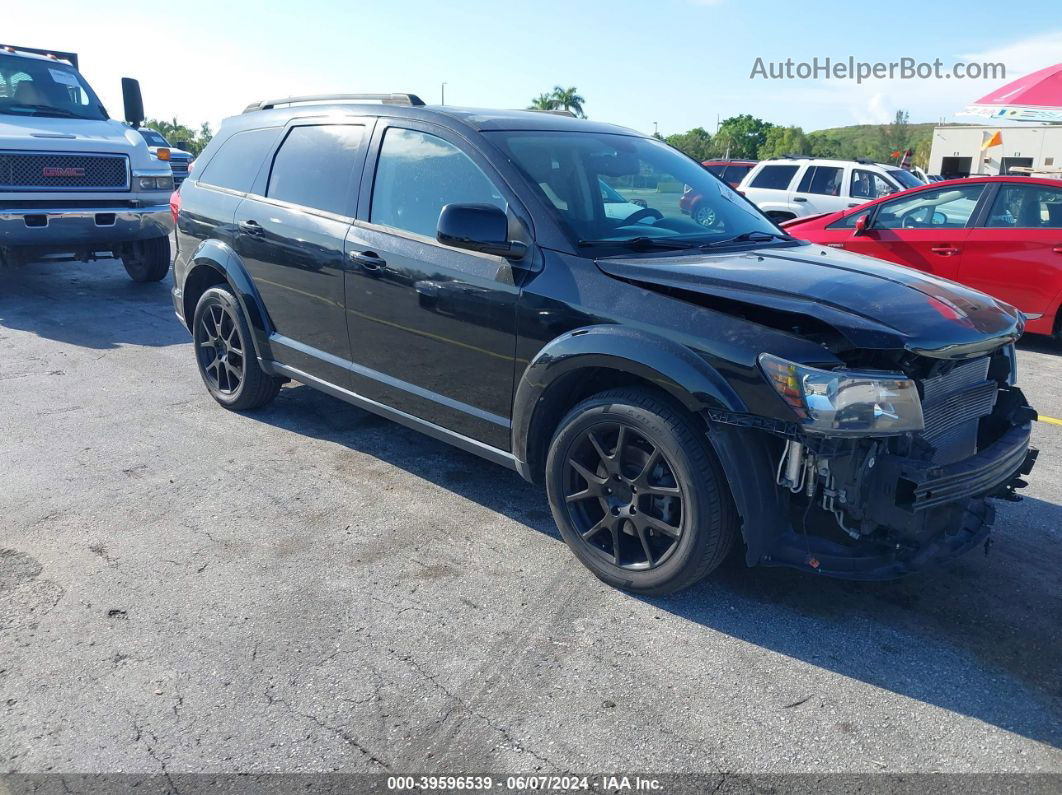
(873, 304)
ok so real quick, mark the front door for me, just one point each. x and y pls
(292, 239)
(432, 328)
(925, 229)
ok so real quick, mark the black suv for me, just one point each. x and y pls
(469, 273)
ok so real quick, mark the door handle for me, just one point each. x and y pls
(1057, 249)
(368, 260)
(853, 204)
(799, 199)
(944, 251)
(251, 227)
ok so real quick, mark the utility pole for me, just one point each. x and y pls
(442, 91)
(656, 130)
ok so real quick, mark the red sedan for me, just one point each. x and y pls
(1000, 235)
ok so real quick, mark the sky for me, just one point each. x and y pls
(646, 64)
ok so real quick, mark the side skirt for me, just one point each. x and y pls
(492, 454)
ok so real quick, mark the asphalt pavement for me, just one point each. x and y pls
(311, 588)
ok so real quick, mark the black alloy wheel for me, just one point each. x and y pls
(226, 355)
(637, 491)
(220, 348)
(622, 496)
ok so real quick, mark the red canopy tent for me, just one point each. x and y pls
(1035, 97)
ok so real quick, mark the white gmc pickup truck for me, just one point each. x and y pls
(73, 181)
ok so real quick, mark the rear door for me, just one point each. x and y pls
(1015, 251)
(819, 190)
(432, 328)
(291, 239)
(926, 229)
(769, 188)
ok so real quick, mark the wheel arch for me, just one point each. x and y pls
(588, 360)
(213, 264)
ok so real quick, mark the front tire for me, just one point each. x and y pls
(225, 354)
(147, 260)
(637, 492)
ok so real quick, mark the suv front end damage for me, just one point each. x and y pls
(884, 473)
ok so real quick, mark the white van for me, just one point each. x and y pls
(797, 187)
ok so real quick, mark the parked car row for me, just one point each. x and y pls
(1002, 235)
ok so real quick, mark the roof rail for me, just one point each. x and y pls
(797, 157)
(554, 111)
(411, 100)
(70, 57)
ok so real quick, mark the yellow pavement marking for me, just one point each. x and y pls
(1051, 420)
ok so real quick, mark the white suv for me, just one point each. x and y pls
(796, 187)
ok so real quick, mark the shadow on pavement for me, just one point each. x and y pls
(93, 305)
(979, 638)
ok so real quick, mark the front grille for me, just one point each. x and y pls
(952, 406)
(61, 171)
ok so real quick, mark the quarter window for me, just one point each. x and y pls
(237, 162)
(417, 175)
(1026, 207)
(774, 177)
(318, 166)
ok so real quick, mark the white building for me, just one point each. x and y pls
(958, 150)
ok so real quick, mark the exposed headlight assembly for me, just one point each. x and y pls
(154, 183)
(845, 401)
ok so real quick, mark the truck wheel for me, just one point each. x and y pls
(147, 260)
(637, 492)
(225, 354)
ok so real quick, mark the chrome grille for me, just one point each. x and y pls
(952, 405)
(63, 171)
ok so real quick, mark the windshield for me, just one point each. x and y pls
(33, 87)
(905, 178)
(153, 138)
(607, 187)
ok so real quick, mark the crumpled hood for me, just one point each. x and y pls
(61, 135)
(873, 304)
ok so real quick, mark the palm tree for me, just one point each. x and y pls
(543, 102)
(569, 99)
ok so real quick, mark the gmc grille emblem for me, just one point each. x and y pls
(55, 171)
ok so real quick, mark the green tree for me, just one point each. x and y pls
(697, 143)
(740, 136)
(781, 141)
(569, 99)
(175, 132)
(543, 102)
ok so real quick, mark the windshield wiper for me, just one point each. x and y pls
(49, 110)
(641, 244)
(755, 236)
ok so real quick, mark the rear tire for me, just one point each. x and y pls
(147, 260)
(638, 493)
(225, 354)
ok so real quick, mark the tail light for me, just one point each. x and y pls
(175, 204)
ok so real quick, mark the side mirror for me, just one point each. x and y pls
(862, 224)
(478, 227)
(133, 101)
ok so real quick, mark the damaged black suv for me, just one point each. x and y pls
(526, 287)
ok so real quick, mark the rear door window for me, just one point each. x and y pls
(319, 166)
(1026, 207)
(237, 162)
(774, 177)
